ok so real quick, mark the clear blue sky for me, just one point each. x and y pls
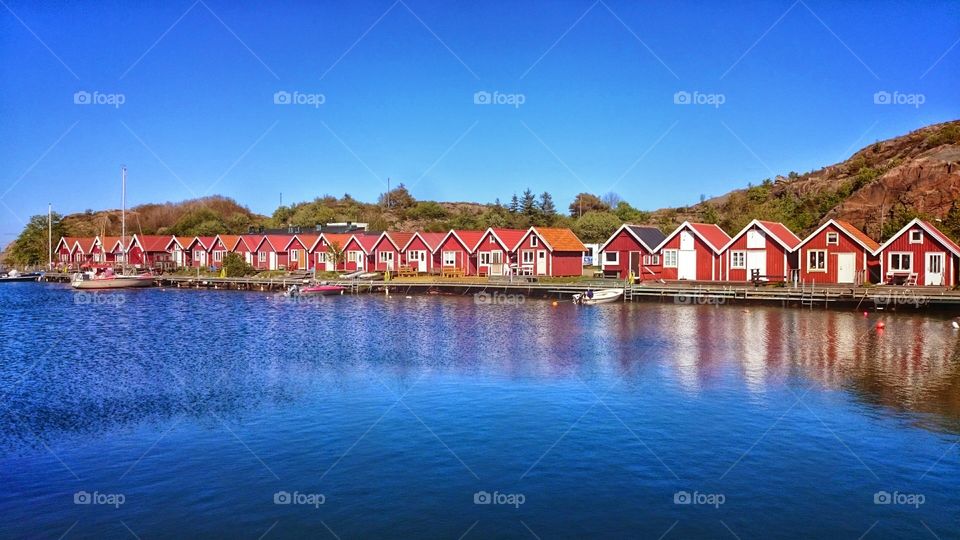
(598, 82)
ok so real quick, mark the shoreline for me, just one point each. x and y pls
(877, 298)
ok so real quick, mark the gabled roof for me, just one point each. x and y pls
(341, 239)
(110, 243)
(151, 242)
(206, 242)
(365, 241)
(711, 235)
(249, 241)
(556, 239)
(229, 241)
(177, 241)
(429, 239)
(649, 237)
(68, 241)
(276, 241)
(930, 229)
(507, 238)
(307, 240)
(468, 239)
(398, 239)
(852, 232)
(774, 229)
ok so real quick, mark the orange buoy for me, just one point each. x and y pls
(880, 325)
(555, 303)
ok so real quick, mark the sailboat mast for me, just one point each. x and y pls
(123, 215)
(49, 236)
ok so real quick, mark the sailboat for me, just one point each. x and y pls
(108, 279)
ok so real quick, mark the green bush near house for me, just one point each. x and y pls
(235, 266)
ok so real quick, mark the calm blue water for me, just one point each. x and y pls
(185, 413)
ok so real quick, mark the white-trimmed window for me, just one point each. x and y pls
(526, 257)
(386, 256)
(817, 260)
(669, 258)
(352, 256)
(916, 236)
(484, 257)
(262, 256)
(611, 257)
(323, 256)
(651, 260)
(449, 258)
(738, 260)
(198, 254)
(833, 239)
(534, 241)
(218, 256)
(901, 262)
(492, 240)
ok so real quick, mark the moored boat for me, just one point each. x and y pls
(320, 289)
(13, 275)
(601, 296)
(110, 281)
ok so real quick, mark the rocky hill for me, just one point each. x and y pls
(878, 189)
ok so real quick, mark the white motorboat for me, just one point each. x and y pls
(601, 296)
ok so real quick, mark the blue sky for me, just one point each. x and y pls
(597, 81)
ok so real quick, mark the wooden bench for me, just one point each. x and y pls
(406, 271)
(764, 279)
(451, 272)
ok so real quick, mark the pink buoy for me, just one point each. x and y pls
(880, 325)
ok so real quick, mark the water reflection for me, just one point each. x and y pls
(171, 354)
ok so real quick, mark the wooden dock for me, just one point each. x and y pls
(868, 298)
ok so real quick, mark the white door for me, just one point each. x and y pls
(846, 267)
(419, 259)
(756, 261)
(686, 257)
(496, 263)
(387, 257)
(541, 262)
(273, 260)
(934, 269)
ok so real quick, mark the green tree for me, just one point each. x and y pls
(629, 214)
(586, 202)
(514, 204)
(200, 221)
(235, 266)
(336, 253)
(596, 227)
(427, 210)
(399, 198)
(32, 246)
(547, 207)
(528, 203)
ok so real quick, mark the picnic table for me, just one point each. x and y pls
(451, 272)
(406, 271)
(901, 277)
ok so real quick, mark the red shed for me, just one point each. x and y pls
(766, 248)
(357, 251)
(199, 251)
(633, 249)
(919, 254)
(693, 251)
(550, 252)
(321, 257)
(837, 252)
(297, 249)
(495, 250)
(150, 251)
(178, 249)
(270, 253)
(419, 252)
(246, 245)
(387, 249)
(456, 250)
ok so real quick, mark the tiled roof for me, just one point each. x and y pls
(510, 237)
(781, 231)
(868, 242)
(649, 236)
(560, 239)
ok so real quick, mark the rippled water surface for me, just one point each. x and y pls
(191, 411)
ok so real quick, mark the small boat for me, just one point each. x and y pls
(13, 275)
(371, 276)
(601, 296)
(320, 289)
(352, 275)
(107, 280)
